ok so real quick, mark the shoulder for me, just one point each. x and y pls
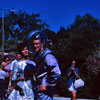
(14, 61)
(68, 69)
(50, 55)
(31, 62)
(50, 58)
(3, 72)
(30, 66)
(76, 68)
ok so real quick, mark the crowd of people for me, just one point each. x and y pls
(33, 79)
(25, 79)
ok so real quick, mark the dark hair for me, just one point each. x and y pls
(20, 47)
(17, 53)
(4, 58)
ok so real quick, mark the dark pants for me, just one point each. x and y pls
(7, 82)
(2, 88)
(46, 95)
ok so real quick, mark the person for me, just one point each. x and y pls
(13, 72)
(23, 90)
(6, 65)
(72, 74)
(47, 68)
(13, 65)
(2, 82)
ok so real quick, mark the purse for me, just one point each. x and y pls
(78, 83)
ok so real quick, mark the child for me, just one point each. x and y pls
(2, 82)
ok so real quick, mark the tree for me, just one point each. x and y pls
(62, 33)
(82, 41)
(17, 25)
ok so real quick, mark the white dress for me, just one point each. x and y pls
(25, 85)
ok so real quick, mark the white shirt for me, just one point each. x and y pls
(2, 74)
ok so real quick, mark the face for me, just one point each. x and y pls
(38, 46)
(7, 59)
(18, 56)
(25, 51)
(73, 62)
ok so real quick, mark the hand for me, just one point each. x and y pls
(73, 69)
(21, 78)
(42, 87)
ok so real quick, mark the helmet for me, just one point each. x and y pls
(37, 34)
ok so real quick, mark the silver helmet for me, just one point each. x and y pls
(37, 34)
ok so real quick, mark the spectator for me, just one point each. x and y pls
(72, 74)
(2, 82)
(6, 65)
(14, 67)
(23, 89)
(13, 71)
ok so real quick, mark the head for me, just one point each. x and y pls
(18, 56)
(23, 50)
(38, 45)
(6, 59)
(38, 40)
(74, 62)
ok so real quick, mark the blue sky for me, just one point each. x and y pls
(55, 13)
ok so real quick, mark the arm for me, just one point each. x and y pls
(10, 73)
(69, 72)
(52, 70)
(76, 72)
(11, 68)
(73, 70)
(77, 76)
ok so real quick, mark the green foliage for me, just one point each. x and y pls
(78, 42)
(62, 33)
(51, 35)
(82, 41)
(60, 88)
(17, 25)
(87, 90)
(93, 65)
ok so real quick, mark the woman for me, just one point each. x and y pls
(72, 74)
(3, 75)
(24, 88)
(6, 67)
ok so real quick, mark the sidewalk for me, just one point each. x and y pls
(63, 98)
